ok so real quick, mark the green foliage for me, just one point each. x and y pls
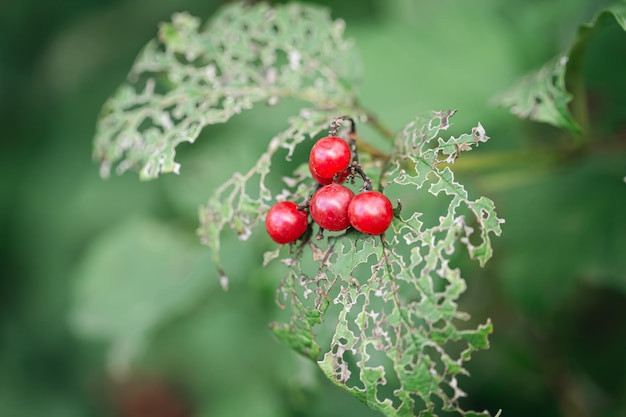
(190, 78)
(239, 204)
(555, 290)
(543, 96)
(120, 302)
(396, 345)
(415, 146)
(397, 294)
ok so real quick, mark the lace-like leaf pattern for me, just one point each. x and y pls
(389, 303)
(189, 78)
(416, 145)
(396, 343)
(242, 201)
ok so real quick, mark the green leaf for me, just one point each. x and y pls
(394, 298)
(542, 96)
(300, 341)
(132, 280)
(191, 77)
(242, 201)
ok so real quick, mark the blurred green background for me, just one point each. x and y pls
(555, 288)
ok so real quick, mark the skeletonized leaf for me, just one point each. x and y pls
(242, 201)
(397, 344)
(190, 77)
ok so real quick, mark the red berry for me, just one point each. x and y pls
(285, 223)
(370, 212)
(329, 207)
(325, 181)
(329, 156)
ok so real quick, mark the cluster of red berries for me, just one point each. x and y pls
(333, 206)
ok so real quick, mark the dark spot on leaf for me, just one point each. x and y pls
(554, 80)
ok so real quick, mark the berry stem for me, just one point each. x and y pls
(307, 202)
(353, 137)
(353, 141)
(367, 183)
(338, 121)
(353, 148)
(385, 131)
(369, 149)
(376, 124)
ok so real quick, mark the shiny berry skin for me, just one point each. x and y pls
(325, 181)
(370, 212)
(285, 223)
(329, 156)
(329, 207)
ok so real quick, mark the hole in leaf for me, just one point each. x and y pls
(408, 293)
(475, 239)
(281, 60)
(439, 324)
(447, 389)
(355, 372)
(454, 348)
(418, 321)
(433, 358)
(384, 389)
(444, 408)
(387, 392)
(554, 80)
(363, 271)
(145, 124)
(419, 403)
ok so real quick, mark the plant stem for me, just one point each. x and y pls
(370, 149)
(503, 159)
(375, 123)
(384, 130)
(576, 85)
